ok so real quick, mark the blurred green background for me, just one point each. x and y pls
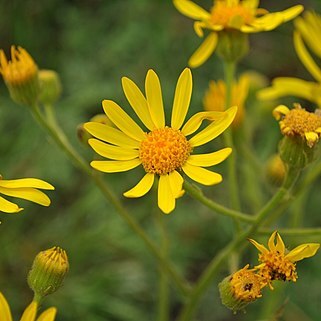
(92, 44)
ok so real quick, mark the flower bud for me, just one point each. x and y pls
(232, 45)
(50, 86)
(241, 288)
(20, 76)
(48, 272)
(275, 170)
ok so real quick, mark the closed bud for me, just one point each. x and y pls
(275, 170)
(20, 75)
(48, 272)
(50, 86)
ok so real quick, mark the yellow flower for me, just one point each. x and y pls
(243, 16)
(279, 264)
(20, 75)
(163, 150)
(25, 188)
(307, 30)
(29, 314)
(215, 97)
(241, 288)
(299, 122)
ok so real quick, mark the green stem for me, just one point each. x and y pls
(212, 269)
(197, 194)
(297, 232)
(61, 140)
(163, 298)
(229, 71)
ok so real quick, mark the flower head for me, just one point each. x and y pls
(215, 97)
(277, 263)
(29, 313)
(307, 31)
(299, 122)
(25, 188)
(239, 15)
(241, 288)
(163, 151)
(20, 75)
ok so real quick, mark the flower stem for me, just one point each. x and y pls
(61, 140)
(197, 194)
(229, 71)
(212, 269)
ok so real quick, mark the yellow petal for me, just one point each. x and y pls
(204, 50)
(303, 251)
(8, 207)
(311, 138)
(201, 175)
(211, 159)
(191, 10)
(279, 244)
(198, 28)
(30, 312)
(259, 246)
(271, 244)
(214, 129)
(27, 193)
(143, 187)
(110, 135)
(48, 315)
(193, 124)
(115, 166)
(5, 314)
(138, 102)
(280, 111)
(176, 182)
(305, 57)
(166, 199)
(182, 98)
(287, 86)
(26, 182)
(154, 98)
(292, 12)
(251, 4)
(111, 151)
(116, 114)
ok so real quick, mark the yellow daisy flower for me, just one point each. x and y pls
(24, 188)
(277, 263)
(241, 15)
(20, 75)
(29, 314)
(215, 97)
(299, 122)
(307, 30)
(163, 150)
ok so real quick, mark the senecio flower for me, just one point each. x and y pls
(307, 31)
(240, 15)
(277, 263)
(299, 122)
(215, 97)
(25, 188)
(20, 75)
(163, 150)
(29, 314)
(241, 288)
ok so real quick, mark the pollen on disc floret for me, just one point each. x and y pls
(164, 150)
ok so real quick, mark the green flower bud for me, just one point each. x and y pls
(50, 86)
(48, 272)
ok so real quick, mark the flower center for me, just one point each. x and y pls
(277, 267)
(227, 15)
(164, 150)
(299, 122)
(246, 285)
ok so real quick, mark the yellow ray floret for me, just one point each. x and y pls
(29, 313)
(25, 188)
(243, 15)
(163, 151)
(277, 263)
